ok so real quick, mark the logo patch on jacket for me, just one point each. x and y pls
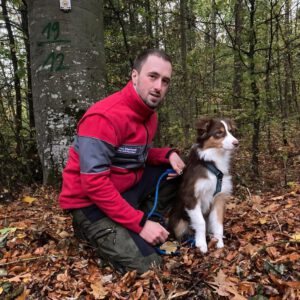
(129, 149)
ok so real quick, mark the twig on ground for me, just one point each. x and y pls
(32, 259)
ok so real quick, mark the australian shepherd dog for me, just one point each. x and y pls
(206, 184)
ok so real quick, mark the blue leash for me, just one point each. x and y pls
(190, 241)
(156, 193)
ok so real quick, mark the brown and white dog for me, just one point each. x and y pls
(202, 196)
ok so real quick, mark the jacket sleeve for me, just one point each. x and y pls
(96, 145)
(158, 156)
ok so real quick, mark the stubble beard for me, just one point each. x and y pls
(148, 102)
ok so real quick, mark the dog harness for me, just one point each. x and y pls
(212, 168)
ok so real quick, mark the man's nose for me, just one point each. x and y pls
(158, 84)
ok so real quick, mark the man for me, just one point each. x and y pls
(112, 169)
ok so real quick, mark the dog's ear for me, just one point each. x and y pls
(202, 127)
(231, 125)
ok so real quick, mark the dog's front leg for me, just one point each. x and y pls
(216, 218)
(198, 224)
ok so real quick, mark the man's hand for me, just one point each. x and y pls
(177, 164)
(154, 233)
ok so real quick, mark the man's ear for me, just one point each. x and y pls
(134, 75)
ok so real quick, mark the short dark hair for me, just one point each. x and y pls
(142, 57)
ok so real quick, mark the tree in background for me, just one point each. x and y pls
(67, 67)
(18, 160)
(235, 59)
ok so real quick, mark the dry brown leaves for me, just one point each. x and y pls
(40, 258)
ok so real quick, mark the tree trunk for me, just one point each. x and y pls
(149, 29)
(282, 105)
(186, 113)
(238, 66)
(67, 65)
(17, 82)
(268, 82)
(290, 89)
(24, 16)
(213, 43)
(254, 90)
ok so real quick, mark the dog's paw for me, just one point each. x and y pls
(202, 246)
(220, 243)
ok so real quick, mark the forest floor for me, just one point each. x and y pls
(41, 259)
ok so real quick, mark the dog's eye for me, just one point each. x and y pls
(219, 134)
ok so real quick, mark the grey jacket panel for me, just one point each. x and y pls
(97, 155)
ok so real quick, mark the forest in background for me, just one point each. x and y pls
(236, 59)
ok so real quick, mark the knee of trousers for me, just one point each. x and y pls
(116, 245)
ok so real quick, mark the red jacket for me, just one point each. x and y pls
(108, 156)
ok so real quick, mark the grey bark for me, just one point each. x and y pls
(67, 67)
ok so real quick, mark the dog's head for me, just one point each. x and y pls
(216, 133)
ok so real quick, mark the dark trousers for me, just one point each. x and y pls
(119, 246)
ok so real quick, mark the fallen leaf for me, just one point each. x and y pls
(251, 249)
(107, 279)
(273, 252)
(277, 198)
(28, 199)
(21, 235)
(296, 237)
(237, 229)
(289, 257)
(270, 237)
(176, 294)
(263, 220)
(231, 255)
(139, 292)
(292, 284)
(169, 247)
(225, 287)
(3, 272)
(19, 278)
(230, 206)
(64, 277)
(39, 251)
(64, 234)
(247, 287)
(98, 291)
(271, 208)
(256, 199)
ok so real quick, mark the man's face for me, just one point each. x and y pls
(153, 80)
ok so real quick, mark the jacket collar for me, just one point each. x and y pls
(135, 102)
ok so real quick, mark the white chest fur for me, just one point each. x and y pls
(205, 188)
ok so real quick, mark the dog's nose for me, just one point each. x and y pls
(235, 142)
